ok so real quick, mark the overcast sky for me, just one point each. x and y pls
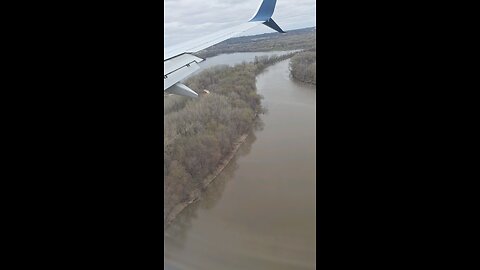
(188, 19)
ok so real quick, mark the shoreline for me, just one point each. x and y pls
(301, 81)
(195, 195)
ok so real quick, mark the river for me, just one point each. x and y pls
(237, 58)
(260, 212)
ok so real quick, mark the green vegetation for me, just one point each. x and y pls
(199, 133)
(303, 66)
(300, 39)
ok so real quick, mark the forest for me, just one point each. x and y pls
(199, 133)
(303, 66)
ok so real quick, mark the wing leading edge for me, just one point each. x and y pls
(179, 63)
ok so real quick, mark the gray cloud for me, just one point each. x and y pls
(188, 19)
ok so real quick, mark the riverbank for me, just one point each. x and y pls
(303, 67)
(195, 194)
(304, 82)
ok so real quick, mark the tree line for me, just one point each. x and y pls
(303, 66)
(199, 133)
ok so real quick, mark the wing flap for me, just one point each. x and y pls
(182, 90)
(177, 75)
(178, 62)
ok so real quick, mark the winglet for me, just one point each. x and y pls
(271, 23)
(264, 13)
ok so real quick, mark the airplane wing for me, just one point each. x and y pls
(178, 62)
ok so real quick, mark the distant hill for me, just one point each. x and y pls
(275, 35)
(299, 39)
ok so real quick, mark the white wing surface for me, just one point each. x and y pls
(178, 62)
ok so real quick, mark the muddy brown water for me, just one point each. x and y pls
(260, 212)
